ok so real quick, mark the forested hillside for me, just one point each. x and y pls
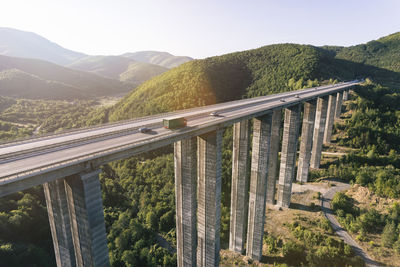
(250, 73)
(383, 53)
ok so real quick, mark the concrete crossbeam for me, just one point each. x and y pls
(57, 209)
(306, 140)
(338, 109)
(273, 155)
(319, 129)
(240, 186)
(330, 118)
(258, 178)
(87, 219)
(186, 200)
(209, 158)
(288, 154)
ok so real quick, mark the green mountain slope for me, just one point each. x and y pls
(138, 72)
(163, 59)
(383, 53)
(120, 68)
(250, 73)
(18, 43)
(16, 83)
(85, 83)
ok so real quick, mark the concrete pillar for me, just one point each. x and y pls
(319, 129)
(240, 186)
(87, 219)
(273, 156)
(57, 209)
(258, 182)
(330, 119)
(338, 110)
(345, 95)
(186, 200)
(306, 140)
(288, 154)
(209, 154)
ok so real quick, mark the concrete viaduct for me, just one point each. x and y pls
(68, 167)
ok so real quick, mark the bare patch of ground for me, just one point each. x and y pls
(301, 207)
(367, 199)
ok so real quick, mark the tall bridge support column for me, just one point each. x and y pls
(57, 209)
(209, 157)
(330, 118)
(319, 129)
(338, 111)
(306, 140)
(258, 179)
(240, 186)
(186, 200)
(273, 156)
(345, 95)
(87, 219)
(288, 154)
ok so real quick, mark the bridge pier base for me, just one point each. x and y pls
(87, 219)
(338, 110)
(319, 129)
(288, 154)
(273, 156)
(209, 168)
(258, 180)
(306, 140)
(186, 200)
(330, 117)
(57, 209)
(240, 187)
(345, 95)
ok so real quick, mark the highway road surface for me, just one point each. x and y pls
(99, 145)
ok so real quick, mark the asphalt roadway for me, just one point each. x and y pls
(35, 157)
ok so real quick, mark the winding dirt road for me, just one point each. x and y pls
(326, 208)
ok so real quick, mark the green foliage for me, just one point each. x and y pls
(389, 235)
(24, 230)
(135, 214)
(22, 118)
(257, 72)
(314, 245)
(342, 202)
(380, 53)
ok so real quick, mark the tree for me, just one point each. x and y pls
(389, 235)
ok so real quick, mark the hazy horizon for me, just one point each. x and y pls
(200, 29)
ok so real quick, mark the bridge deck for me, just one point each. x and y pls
(31, 162)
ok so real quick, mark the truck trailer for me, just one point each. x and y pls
(174, 123)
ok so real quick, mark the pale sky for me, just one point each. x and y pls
(200, 28)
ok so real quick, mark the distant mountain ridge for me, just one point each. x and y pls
(119, 68)
(163, 59)
(38, 79)
(16, 43)
(42, 79)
